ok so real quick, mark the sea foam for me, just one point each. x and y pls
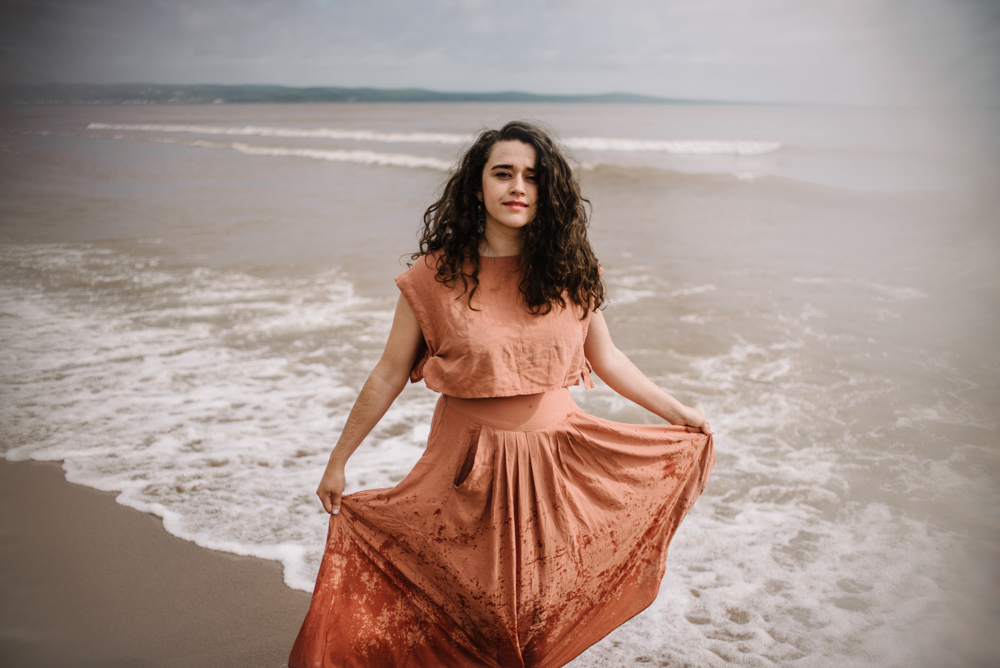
(361, 157)
(211, 398)
(317, 133)
(676, 147)
(193, 391)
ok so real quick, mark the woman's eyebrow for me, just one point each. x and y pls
(530, 169)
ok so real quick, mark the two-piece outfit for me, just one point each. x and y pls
(528, 530)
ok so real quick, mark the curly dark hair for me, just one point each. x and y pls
(556, 258)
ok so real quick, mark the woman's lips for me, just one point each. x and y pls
(516, 205)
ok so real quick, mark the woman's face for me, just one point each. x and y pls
(510, 189)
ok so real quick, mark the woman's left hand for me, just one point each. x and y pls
(695, 418)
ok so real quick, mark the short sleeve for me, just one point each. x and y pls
(413, 284)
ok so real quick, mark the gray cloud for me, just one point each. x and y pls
(865, 51)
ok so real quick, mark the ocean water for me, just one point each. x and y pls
(191, 297)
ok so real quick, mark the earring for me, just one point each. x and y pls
(480, 219)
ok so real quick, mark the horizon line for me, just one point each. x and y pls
(26, 94)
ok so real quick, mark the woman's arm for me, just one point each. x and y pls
(386, 381)
(624, 377)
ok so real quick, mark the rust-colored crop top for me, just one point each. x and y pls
(499, 350)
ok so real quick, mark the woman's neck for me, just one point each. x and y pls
(500, 243)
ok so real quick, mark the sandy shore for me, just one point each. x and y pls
(87, 582)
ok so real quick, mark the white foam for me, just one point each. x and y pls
(629, 287)
(894, 293)
(636, 283)
(328, 155)
(777, 564)
(212, 398)
(797, 591)
(317, 133)
(675, 147)
(692, 290)
(361, 157)
(214, 389)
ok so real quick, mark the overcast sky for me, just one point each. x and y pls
(839, 51)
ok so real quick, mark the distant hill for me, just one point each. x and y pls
(209, 94)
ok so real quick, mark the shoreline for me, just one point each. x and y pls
(88, 582)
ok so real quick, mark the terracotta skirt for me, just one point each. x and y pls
(526, 532)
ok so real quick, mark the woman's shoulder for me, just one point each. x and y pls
(423, 269)
(427, 262)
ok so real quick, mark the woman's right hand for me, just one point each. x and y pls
(331, 488)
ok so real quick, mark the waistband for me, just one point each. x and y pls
(529, 412)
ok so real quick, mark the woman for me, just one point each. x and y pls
(528, 529)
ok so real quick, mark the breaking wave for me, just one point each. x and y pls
(675, 147)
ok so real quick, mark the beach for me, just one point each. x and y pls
(87, 582)
(192, 296)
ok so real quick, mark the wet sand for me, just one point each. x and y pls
(87, 582)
